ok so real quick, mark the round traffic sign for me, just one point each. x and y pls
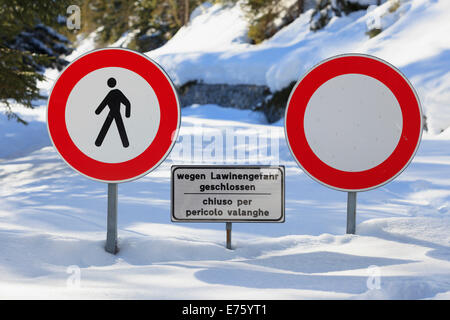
(353, 122)
(113, 115)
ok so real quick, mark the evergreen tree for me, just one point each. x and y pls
(156, 24)
(327, 9)
(28, 45)
(157, 21)
(115, 17)
(262, 16)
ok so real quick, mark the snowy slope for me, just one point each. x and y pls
(414, 38)
(53, 221)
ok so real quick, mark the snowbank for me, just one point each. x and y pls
(212, 49)
(53, 222)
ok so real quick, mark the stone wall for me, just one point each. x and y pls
(240, 96)
(236, 96)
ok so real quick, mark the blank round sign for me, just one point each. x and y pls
(353, 122)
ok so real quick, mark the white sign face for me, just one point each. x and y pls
(353, 122)
(228, 193)
(107, 135)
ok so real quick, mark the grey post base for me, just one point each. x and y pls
(228, 228)
(351, 213)
(111, 234)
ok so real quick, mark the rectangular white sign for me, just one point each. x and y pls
(228, 193)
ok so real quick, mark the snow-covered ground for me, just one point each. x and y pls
(53, 221)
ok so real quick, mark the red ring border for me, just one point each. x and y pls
(409, 139)
(169, 110)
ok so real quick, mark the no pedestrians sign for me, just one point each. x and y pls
(113, 115)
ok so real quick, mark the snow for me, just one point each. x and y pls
(125, 39)
(18, 140)
(53, 220)
(84, 44)
(215, 30)
(213, 49)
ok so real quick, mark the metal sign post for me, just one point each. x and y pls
(228, 227)
(351, 212)
(111, 233)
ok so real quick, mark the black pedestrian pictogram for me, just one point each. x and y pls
(113, 100)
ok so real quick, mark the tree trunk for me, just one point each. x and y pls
(300, 6)
(186, 12)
